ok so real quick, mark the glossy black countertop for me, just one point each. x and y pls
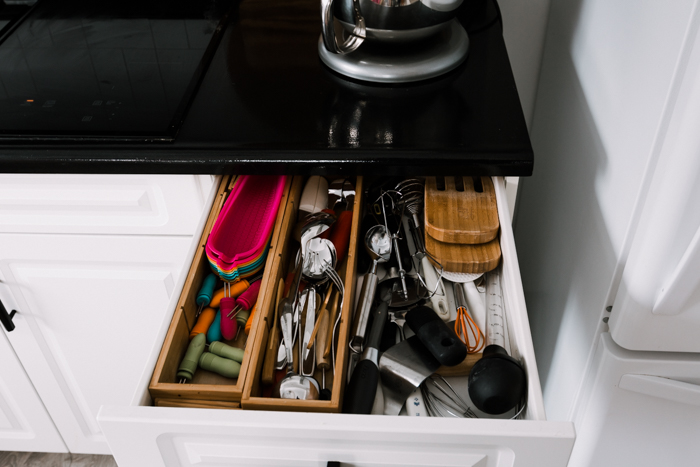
(267, 104)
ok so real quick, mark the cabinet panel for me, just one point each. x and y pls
(89, 310)
(103, 204)
(24, 423)
(158, 436)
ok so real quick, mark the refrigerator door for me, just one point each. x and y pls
(657, 306)
(642, 408)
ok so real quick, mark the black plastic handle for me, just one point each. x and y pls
(436, 336)
(6, 318)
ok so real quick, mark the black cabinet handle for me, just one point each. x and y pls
(333, 464)
(6, 318)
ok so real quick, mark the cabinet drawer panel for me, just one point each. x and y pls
(175, 436)
(102, 204)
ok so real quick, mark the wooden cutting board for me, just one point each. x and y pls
(472, 259)
(460, 213)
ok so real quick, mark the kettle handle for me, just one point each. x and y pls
(354, 40)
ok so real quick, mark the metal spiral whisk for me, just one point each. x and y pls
(441, 400)
(411, 197)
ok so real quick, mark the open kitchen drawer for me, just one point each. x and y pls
(141, 435)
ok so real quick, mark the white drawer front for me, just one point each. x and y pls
(102, 204)
(155, 436)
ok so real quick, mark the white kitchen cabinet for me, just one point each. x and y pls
(157, 436)
(24, 423)
(90, 307)
(102, 204)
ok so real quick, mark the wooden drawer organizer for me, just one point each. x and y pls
(252, 392)
(209, 389)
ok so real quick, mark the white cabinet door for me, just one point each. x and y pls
(103, 204)
(90, 311)
(160, 437)
(24, 423)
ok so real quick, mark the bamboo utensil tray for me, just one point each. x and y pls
(207, 387)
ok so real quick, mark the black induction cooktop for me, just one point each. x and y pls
(104, 69)
(267, 104)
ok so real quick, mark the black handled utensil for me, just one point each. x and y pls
(362, 388)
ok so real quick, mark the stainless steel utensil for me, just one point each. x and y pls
(378, 245)
(403, 368)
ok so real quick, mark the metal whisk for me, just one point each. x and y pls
(411, 193)
(411, 197)
(441, 400)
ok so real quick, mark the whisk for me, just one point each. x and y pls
(465, 325)
(441, 400)
(411, 197)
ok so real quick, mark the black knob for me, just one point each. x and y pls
(6, 318)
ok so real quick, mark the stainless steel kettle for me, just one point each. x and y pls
(394, 21)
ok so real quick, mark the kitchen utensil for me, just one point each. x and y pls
(341, 198)
(361, 390)
(390, 290)
(441, 399)
(249, 322)
(402, 369)
(206, 317)
(341, 195)
(247, 299)
(436, 336)
(241, 320)
(206, 292)
(229, 326)
(378, 245)
(325, 394)
(466, 329)
(236, 252)
(322, 315)
(412, 194)
(463, 258)
(474, 302)
(314, 197)
(268, 370)
(294, 386)
(226, 351)
(462, 210)
(214, 331)
(308, 318)
(235, 290)
(498, 382)
(322, 332)
(219, 365)
(320, 252)
(188, 366)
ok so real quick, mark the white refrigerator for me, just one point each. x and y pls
(608, 229)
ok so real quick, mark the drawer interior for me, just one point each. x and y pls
(254, 394)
